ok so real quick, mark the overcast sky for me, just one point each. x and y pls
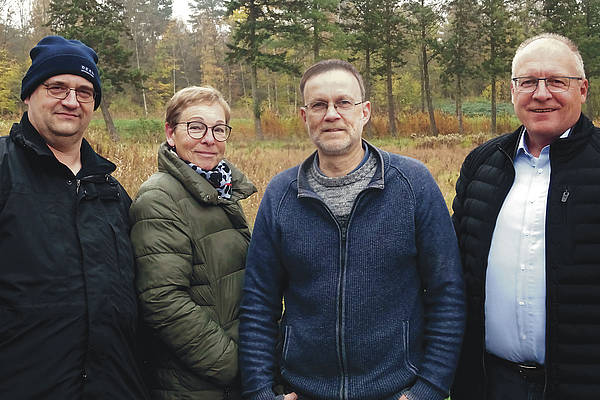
(181, 9)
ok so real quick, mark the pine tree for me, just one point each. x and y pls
(102, 25)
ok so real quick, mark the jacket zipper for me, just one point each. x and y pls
(340, 299)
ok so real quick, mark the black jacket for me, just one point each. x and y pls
(572, 259)
(67, 303)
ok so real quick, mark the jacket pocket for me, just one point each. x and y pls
(406, 344)
(286, 341)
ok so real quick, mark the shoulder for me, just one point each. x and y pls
(156, 195)
(413, 171)
(283, 180)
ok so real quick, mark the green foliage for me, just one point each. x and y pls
(140, 130)
(264, 19)
(101, 25)
(11, 73)
(476, 107)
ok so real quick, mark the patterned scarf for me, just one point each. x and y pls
(219, 176)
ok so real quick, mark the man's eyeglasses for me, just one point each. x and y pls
(197, 130)
(341, 106)
(61, 92)
(554, 84)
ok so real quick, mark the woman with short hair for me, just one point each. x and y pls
(190, 238)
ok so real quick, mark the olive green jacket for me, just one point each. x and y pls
(190, 246)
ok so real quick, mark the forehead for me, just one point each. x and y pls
(203, 111)
(70, 80)
(545, 56)
(334, 83)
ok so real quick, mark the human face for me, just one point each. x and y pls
(333, 133)
(57, 119)
(206, 152)
(544, 114)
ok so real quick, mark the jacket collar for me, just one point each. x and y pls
(377, 182)
(566, 147)
(200, 188)
(25, 135)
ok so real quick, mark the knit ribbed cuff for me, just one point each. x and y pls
(263, 394)
(423, 390)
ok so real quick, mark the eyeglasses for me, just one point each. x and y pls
(61, 92)
(197, 130)
(554, 84)
(341, 106)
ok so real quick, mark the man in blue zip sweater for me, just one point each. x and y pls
(359, 244)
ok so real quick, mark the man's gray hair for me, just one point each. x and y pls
(559, 38)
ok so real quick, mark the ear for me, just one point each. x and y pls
(584, 90)
(26, 101)
(303, 114)
(170, 134)
(366, 111)
(512, 92)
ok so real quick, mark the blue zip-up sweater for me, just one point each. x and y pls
(367, 316)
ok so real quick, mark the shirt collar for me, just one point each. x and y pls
(523, 144)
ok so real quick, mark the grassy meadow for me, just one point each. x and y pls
(135, 154)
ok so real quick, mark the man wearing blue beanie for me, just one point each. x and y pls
(68, 311)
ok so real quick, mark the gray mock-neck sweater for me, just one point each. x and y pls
(339, 193)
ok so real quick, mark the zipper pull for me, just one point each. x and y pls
(78, 185)
(565, 196)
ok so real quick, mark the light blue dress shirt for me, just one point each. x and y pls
(515, 304)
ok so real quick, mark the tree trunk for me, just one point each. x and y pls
(432, 124)
(137, 58)
(367, 82)
(256, 103)
(108, 121)
(390, 98)
(422, 82)
(590, 112)
(459, 113)
(243, 79)
(493, 110)
(316, 41)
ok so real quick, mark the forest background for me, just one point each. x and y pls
(436, 71)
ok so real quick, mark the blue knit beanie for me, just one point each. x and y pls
(55, 55)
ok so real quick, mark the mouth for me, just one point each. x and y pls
(205, 154)
(67, 115)
(542, 110)
(332, 130)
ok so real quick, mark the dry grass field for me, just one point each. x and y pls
(261, 160)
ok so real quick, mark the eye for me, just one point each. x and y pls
(527, 82)
(344, 104)
(318, 106)
(57, 89)
(557, 82)
(220, 129)
(85, 93)
(196, 127)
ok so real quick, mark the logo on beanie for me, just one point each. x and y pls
(87, 70)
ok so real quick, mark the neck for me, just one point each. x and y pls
(536, 144)
(339, 165)
(69, 156)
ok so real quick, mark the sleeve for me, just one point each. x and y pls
(261, 306)
(163, 255)
(443, 291)
(461, 186)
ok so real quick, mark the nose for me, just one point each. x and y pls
(208, 137)
(332, 112)
(541, 91)
(71, 99)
